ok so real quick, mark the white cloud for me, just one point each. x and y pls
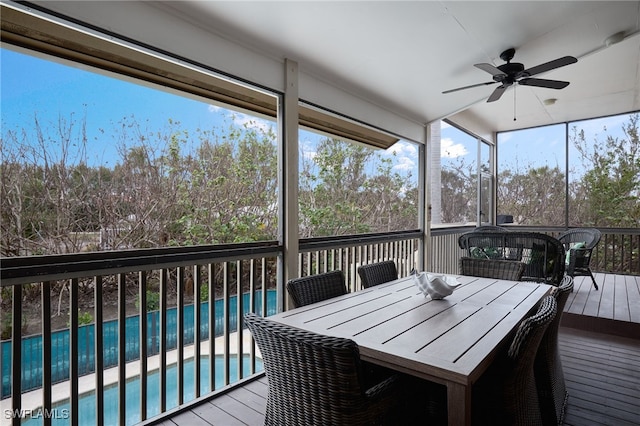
(449, 149)
(251, 122)
(307, 149)
(405, 155)
(405, 163)
(402, 148)
(242, 119)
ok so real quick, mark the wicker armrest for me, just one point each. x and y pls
(380, 389)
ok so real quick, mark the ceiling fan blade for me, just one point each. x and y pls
(539, 82)
(548, 66)
(497, 93)
(494, 71)
(469, 87)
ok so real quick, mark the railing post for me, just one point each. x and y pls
(16, 355)
(46, 351)
(197, 278)
(99, 350)
(142, 342)
(122, 352)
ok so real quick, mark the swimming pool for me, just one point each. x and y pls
(87, 402)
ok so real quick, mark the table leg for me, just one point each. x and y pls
(459, 404)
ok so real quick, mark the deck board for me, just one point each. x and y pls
(214, 415)
(607, 298)
(621, 310)
(602, 375)
(613, 309)
(633, 293)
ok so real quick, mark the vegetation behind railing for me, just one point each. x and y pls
(618, 252)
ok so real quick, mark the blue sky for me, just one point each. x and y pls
(536, 147)
(51, 90)
(34, 86)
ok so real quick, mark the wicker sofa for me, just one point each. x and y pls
(542, 255)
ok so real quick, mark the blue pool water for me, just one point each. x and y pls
(87, 402)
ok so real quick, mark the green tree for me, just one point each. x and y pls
(611, 182)
(348, 188)
(458, 193)
(534, 197)
(231, 194)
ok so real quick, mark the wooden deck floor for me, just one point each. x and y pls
(612, 309)
(599, 343)
(244, 405)
(602, 374)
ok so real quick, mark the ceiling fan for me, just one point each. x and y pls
(513, 72)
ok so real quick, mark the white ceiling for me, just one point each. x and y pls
(402, 55)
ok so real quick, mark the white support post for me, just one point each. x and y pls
(425, 159)
(288, 165)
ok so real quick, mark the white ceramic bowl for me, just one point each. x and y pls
(436, 286)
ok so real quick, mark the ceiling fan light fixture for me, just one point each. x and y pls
(615, 38)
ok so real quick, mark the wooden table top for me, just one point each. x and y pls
(449, 340)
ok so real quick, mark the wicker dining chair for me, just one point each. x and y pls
(319, 380)
(377, 273)
(492, 268)
(315, 288)
(552, 392)
(506, 394)
(579, 244)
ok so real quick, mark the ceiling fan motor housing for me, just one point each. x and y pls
(513, 71)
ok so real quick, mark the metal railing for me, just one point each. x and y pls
(618, 251)
(31, 370)
(182, 291)
(445, 251)
(319, 255)
(168, 288)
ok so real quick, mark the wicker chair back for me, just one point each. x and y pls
(377, 273)
(579, 259)
(316, 379)
(316, 288)
(507, 393)
(552, 391)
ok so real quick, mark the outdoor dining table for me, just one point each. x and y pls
(450, 341)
